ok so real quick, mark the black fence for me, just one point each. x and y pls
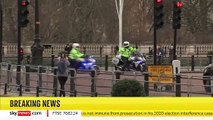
(191, 63)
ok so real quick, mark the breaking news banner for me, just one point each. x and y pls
(105, 108)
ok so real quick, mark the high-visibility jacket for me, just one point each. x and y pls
(75, 54)
(127, 52)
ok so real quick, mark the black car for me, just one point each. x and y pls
(207, 77)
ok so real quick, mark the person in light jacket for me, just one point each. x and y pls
(62, 72)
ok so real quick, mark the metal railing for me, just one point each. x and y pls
(42, 81)
(188, 63)
(109, 49)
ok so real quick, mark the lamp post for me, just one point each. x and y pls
(120, 14)
(36, 48)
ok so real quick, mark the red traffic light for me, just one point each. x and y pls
(24, 3)
(21, 51)
(158, 1)
(179, 4)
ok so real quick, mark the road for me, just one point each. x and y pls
(191, 84)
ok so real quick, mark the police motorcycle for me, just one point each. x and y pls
(88, 63)
(137, 63)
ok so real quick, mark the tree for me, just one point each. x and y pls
(198, 20)
(96, 21)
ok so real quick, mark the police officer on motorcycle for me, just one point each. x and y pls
(126, 51)
(75, 56)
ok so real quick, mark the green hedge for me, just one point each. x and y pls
(210, 53)
(128, 88)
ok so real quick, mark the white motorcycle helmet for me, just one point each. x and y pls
(76, 45)
(126, 44)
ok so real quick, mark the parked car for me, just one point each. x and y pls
(208, 77)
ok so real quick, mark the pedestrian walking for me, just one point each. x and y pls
(171, 50)
(160, 54)
(62, 73)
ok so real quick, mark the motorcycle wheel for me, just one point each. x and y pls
(97, 69)
(140, 68)
(145, 68)
(118, 68)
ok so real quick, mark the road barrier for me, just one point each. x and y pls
(42, 81)
(72, 83)
(146, 83)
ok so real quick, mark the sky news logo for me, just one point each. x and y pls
(24, 113)
(21, 113)
(27, 113)
(44, 114)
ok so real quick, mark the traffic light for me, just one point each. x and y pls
(177, 14)
(23, 13)
(158, 14)
(21, 53)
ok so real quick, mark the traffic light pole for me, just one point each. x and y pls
(155, 46)
(36, 48)
(175, 42)
(1, 31)
(155, 39)
(177, 4)
(158, 24)
(18, 75)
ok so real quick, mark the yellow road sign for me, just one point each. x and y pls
(160, 73)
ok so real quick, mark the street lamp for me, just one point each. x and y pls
(36, 48)
(120, 14)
